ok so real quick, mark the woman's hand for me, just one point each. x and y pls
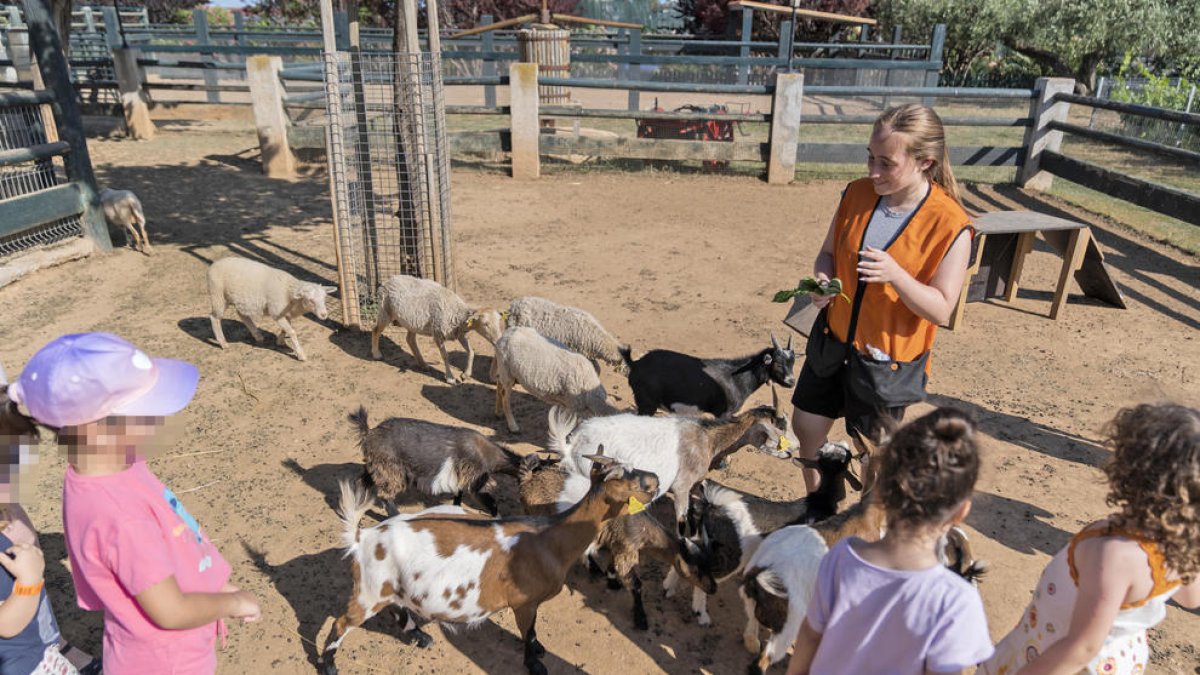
(877, 266)
(819, 301)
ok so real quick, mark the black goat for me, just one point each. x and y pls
(677, 382)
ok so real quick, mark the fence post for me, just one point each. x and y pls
(239, 25)
(1043, 109)
(936, 46)
(1099, 93)
(270, 119)
(635, 68)
(486, 44)
(200, 19)
(18, 43)
(785, 128)
(744, 50)
(1187, 109)
(112, 28)
(129, 87)
(89, 19)
(523, 103)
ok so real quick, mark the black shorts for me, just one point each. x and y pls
(831, 397)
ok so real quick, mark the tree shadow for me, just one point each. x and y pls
(357, 343)
(1016, 524)
(1027, 434)
(80, 627)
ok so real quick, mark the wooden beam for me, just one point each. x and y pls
(492, 26)
(809, 13)
(567, 18)
(1164, 199)
(1118, 139)
(33, 153)
(653, 148)
(854, 153)
(38, 208)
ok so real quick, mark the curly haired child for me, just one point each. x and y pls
(1099, 595)
(924, 618)
(136, 553)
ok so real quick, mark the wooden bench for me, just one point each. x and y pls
(1003, 240)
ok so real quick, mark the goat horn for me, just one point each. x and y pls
(789, 345)
(774, 342)
(601, 460)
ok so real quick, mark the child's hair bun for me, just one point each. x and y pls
(953, 429)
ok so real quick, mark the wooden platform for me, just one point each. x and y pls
(1004, 239)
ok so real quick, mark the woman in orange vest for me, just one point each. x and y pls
(900, 242)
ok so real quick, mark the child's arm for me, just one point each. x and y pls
(172, 609)
(804, 649)
(1105, 576)
(26, 565)
(1188, 596)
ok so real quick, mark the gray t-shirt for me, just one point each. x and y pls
(883, 226)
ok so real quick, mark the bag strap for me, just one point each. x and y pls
(859, 292)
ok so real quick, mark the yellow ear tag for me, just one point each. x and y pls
(784, 443)
(635, 506)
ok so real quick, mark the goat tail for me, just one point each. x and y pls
(359, 419)
(561, 423)
(354, 504)
(975, 572)
(626, 355)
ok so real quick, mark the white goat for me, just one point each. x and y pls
(256, 290)
(123, 208)
(424, 307)
(576, 329)
(549, 371)
(679, 450)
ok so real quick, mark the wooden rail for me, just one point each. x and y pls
(1154, 196)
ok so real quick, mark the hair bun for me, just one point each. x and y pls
(952, 429)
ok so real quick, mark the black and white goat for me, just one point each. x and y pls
(731, 523)
(678, 382)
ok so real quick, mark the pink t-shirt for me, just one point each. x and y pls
(127, 532)
(875, 620)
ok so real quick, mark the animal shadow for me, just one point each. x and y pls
(81, 628)
(1016, 524)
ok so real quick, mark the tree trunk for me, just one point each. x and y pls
(1085, 77)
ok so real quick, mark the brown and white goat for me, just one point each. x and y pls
(627, 538)
(401, 453)
(463, 570)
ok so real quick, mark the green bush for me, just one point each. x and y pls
(1158, 91)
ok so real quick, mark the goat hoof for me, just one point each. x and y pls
(753, 669)
(378, 356)
(537, 648)
(703, 619)
(416, 637)
(614, 584)
(640, 622)
(536, 668)
(328, 668)
(750, 643)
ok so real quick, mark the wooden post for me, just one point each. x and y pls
(635, 68)
(334, 144)
(785, 128)
(936, 46)
(112, 27)
(200, 19)
(239, 25)
(1043, 110)
(744, 50)
(47, 50)
(266, 97)
(129, 87)
(487, 43)
(523, 102)
(18, 43)
(1072, 260)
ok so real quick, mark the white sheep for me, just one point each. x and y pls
(122, 207)
(256, 290)
(425, 307)
(549, 371)
(574, 328)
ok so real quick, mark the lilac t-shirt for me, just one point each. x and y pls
(877, 620)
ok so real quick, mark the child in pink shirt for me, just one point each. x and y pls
(890, 606)
(136, 553)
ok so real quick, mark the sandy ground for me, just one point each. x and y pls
(664, 260)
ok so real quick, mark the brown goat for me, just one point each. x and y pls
(462, 570)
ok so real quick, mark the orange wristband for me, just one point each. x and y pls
(34, 589)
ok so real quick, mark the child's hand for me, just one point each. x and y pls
(819, 300)
(25, 563)
(245, 605)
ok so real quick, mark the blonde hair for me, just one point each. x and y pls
(926, 140)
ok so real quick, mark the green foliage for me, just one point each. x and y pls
(1159, 91)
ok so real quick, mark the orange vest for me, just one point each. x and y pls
(884, 321)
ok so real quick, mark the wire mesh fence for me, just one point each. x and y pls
(390, 170)
(23, 126)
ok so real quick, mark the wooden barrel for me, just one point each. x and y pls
(550, 47)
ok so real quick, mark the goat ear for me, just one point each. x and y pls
(767, 359)
(330, 290)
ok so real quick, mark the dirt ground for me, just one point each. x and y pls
(663, 260)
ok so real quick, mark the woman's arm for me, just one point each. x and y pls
(1105, 577)
(172, 609)
(803, 651)
(933, 302)
(823, 265)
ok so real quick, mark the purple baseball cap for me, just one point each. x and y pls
(86, 377)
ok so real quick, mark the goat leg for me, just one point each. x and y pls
(639, 609)
(410, 629)
(526, 616)
(614, 582)
(467, 372)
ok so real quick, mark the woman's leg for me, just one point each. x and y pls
(812, 431)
